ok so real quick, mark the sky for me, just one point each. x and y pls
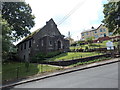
(84, 14)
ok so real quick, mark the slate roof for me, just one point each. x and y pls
(91, 29)
(35, 32)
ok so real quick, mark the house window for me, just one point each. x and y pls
(110, 33)
(104, 29)
(101, 35)
(82, 34)
(24, 45)
(24, 57)
(95, 31)
(29, 43)
(87, 33)
(50, 43)
(21, 46)
(104, 34)
(101, 30)
(96, 36)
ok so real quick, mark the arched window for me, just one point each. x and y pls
(59, 43)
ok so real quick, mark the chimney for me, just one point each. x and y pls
(46, 22)
(92, 27)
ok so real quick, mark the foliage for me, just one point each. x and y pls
(18, 15)
(91, 61)
(73, 55)
(52, 54)
(6, 38)
(94, 45)
(112, 16)
(26, 66)
(90, 40)
(86, 48)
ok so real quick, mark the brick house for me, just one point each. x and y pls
(46, 39)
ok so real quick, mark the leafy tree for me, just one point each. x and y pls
(112, 16)
(19, 16)
(6, 38)
(90, 41)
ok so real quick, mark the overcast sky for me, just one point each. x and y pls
(88, 13)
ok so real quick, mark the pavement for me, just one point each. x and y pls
(105, 76)
(69, 70)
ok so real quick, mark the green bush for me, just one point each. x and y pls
(52, 54)
(42, 56)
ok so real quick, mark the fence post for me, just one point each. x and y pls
(72, 58)
(41, 68)
(17, 71)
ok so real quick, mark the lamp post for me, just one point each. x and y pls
(98, 45)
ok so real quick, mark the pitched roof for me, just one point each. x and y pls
(91, 29)
(35, 32)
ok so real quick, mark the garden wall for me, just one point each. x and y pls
(70, 62)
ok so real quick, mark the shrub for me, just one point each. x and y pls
(52, 54)
(42, 56)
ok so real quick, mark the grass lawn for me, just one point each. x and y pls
(95, 45)
(9, 70)
(73, 55)
(92, 61)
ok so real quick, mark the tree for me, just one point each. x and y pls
(90, 41)
(19, 16)
(112, 16)
(6, 38)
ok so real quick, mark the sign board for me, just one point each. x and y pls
(110, 45)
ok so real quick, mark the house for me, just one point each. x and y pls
(71, 40)
(101, 31)
(46, 39)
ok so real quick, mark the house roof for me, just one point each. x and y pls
(29, 36)
(91, 29)
(35, 32)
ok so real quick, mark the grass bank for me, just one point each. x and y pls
(88, 62)
(73, 55)
(15, 70)
(94, 45)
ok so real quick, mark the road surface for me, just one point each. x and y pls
(99, 77)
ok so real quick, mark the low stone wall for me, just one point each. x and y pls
(70, 62)
(90, 50)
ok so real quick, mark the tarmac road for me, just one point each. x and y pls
(105, 76)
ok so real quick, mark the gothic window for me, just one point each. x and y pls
(50, 43)
(59, 45)
(24, 57)
(21, 46)
(24, 45)
(29, 43)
